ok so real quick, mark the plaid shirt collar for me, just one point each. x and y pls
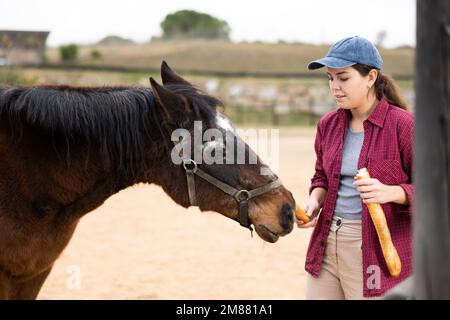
(377, 117)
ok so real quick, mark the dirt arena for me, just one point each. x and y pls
(141, 245)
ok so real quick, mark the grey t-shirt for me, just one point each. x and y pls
(348, 204)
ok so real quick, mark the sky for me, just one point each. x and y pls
(310, 21)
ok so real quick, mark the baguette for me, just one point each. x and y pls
(384, 236)
(300, 214)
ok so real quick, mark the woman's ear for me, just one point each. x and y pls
(373, 75)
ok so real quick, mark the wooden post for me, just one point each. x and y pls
(432, 155)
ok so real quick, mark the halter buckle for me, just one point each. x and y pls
(187, 163)
(242, 195)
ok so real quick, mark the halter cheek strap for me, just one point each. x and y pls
(241, 196)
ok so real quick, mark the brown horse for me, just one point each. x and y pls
(65, 150)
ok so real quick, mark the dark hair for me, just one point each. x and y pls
(117, 119)
(385, 86)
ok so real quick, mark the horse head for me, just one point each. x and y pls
(204, 164)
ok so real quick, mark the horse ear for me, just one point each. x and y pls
(175, 106)
(169, 76)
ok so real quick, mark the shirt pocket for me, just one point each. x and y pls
(387, 171)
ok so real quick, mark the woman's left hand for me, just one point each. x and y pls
(373, 191)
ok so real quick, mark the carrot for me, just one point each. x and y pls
(301, 215)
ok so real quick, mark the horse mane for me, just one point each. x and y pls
(117, 119)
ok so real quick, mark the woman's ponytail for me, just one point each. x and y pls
(385, 87)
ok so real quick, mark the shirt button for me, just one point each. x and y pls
(322, 243)
(336, 176)
(339, 222)
(328, 221)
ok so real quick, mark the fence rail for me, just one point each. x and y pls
(194, 72)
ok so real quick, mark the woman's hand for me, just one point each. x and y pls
(373, 191)
(312, 209)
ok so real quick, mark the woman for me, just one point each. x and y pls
(372, 129)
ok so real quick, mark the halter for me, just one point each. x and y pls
(241, 196)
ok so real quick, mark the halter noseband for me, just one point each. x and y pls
(241, 196)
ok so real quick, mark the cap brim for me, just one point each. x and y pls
(330, 62)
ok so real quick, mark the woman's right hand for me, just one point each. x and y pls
(311, 209)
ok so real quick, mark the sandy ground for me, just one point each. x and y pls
(141, 245)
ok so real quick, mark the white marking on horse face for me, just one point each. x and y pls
(224, 123)
(266, 171)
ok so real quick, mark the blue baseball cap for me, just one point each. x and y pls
(349, 51)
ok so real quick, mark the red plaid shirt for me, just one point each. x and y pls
(387, 152)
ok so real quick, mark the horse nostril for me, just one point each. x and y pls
(287, 216)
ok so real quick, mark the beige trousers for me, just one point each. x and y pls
(341, 274)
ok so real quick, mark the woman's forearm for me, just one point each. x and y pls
(398, 195)
(319, 194)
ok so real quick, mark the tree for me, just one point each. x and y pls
(188, 24)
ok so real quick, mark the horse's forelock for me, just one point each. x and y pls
(204, 106)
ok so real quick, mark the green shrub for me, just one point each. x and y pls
(96, 54)
(68, 52)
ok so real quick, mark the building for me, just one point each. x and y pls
(22, 47)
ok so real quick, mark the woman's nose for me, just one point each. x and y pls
(334, 86)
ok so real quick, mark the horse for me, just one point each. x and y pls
(65, 150)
